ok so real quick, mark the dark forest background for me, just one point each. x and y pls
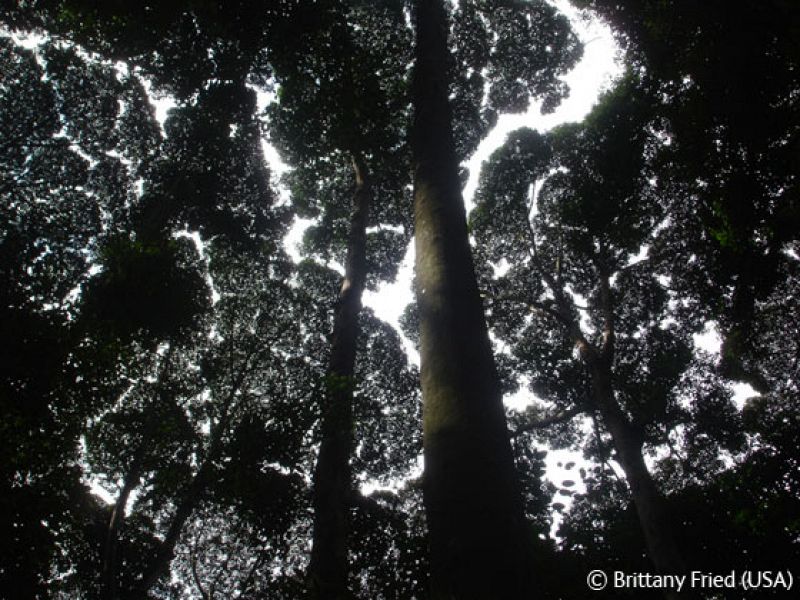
(159, 342)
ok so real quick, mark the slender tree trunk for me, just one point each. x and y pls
(114, 523)
(109, 567)
(166, 550)
(650, 506)
(190, 499)
(477, 530)
(329, 568)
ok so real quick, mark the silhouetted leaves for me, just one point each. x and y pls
(156, 333)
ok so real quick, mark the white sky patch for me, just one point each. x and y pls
(294, 239)
(519, 400)
(263, 97)
(640, 256)
(26, 40)
(533, 196)
(391, 299)
(563, 466)
(596, 70)
(580, 301)
(742, 392)
(99, 491)
(368, 487)
(95, 483)
(710, 339)
(501, 268)
(200, 246)
(162, 103)
(276, 165)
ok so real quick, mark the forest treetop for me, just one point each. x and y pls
(161, 345)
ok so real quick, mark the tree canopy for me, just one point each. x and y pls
(186, 411)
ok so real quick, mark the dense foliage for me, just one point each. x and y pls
(169, 378)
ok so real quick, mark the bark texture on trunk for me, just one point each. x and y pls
(477, 531)
(329, 567)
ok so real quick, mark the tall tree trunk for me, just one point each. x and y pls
(650, 506)
(477, 530)
(328, 569)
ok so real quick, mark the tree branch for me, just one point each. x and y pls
(607, 307)
(131, 482)
(195, 575)
(197, 487)
(562, 417)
